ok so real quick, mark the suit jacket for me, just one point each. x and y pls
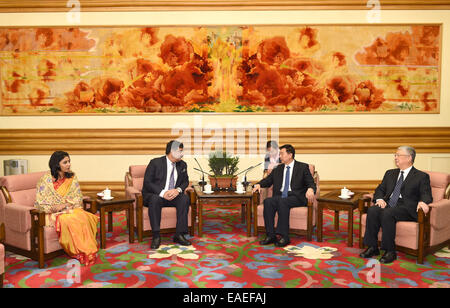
(415, 188)
(300, 182)
(156, 175)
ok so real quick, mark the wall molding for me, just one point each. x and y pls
(150, 141)
(8, 6)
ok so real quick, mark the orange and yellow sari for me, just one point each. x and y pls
(77, 229)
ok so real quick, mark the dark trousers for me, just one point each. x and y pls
(385, 219)
(181, 202)
(282, 206)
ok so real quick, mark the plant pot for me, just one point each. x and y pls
(223, 182)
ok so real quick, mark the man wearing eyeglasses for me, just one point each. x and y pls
(398, 198)
(165, 180)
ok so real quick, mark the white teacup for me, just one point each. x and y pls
(107, 193)
(345, 192)
(207, 187)
(239, 187)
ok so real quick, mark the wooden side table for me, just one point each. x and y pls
(108, 207)
(224, 198)
(331, 201)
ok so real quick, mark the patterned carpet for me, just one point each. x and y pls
(226, 258)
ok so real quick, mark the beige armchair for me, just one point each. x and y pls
(431, 232)
(302, 219)
(134, 180)
(2, 254)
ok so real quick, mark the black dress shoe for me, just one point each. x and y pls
(268, 240)
(180, 239)
(282, 242)
(388, 257)
(156, 241)
(369, 252)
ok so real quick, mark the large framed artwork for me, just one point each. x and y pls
(324, 69)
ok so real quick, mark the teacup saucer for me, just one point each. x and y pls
(239, 192)
(208, 192)
(110, 198)
(100, 194)
(345, 197)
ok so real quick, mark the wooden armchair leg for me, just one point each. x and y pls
(1, 280)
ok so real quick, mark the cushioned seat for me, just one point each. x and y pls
(134, 180)
(2, 254)
(431, 232)
(25, 231)
(301, 219)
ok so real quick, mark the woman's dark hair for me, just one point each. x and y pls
(272, 144)
(54, 161)
(289, 149)
(174, 145)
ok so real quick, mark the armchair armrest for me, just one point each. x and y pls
(132, 192)
(17, 217)
(440, 213)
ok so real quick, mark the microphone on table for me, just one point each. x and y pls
(202, 182)
(216, 188)
(245, 183)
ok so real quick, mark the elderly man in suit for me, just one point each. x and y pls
(398, 198)
(165, 180)
(293, 186)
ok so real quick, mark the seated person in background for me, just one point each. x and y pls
(165, 181)
(398, 198)
(293, 186)
(272, 158)
(58, 194)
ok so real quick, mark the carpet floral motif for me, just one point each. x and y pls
(166, 251)
(311, 252)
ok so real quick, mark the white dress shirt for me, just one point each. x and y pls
(169, 171)
(405, 174)
(291, 171)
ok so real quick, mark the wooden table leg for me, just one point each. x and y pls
(319, 222)
(243, 209)
(200, 219)
(248, 209)
(350, 228)
(110, 221)
(102, 229)
(336, 220)
(131, 223)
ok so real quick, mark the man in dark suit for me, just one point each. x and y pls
(398, 198)
(293, 186)
(165, 181)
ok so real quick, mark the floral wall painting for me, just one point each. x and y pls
(220, 69)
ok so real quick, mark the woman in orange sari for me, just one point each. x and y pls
(58, 194)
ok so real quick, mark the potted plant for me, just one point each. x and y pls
(224, 168)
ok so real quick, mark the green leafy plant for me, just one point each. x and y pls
(222, 164)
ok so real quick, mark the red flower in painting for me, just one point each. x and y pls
(368, 96)
(176, 50)
(342, 86)
(309, 35)
(273, 51)
(308, 97)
